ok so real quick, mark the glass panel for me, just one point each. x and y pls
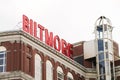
(100, 45)
(102, 77)
(60, 76)
(107, 67)
(69, 78)
(1, 68)
(102, 67)
(100, 28)
(101, 56)
(1, 55)
(106, 45)
(105, 27)
(100, 35)
(107, 55)
(1, 61)
(112, 72)
(4, 68)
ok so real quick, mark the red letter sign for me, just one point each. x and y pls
(57, 39)
(41, 31)
(64, 47)
(48, 39)
(25, 23)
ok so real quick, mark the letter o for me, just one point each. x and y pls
(57, 43)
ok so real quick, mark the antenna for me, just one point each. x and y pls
(18, 26)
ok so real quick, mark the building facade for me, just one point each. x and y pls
(24, 57)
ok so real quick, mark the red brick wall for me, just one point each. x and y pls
(13, 55)
(87, 64)
(116, 49)
(78, 50)
(21, 56)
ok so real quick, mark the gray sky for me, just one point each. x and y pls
(72, 20)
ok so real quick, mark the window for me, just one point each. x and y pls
(28, 59)
(2, 59)
(100, 45)
(28, 64)
(101, 56)
(105, 27)
(49, 70)
(69, 76)
(38, 67)
(102, 67)
(60, 75)
(79, 59)
(106, 45)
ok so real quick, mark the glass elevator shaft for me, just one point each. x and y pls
(104, 49)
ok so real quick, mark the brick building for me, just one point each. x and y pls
(24, 57)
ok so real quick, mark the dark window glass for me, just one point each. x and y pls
(102, 67)
(80, 60)
(101, 56)
(93, 64)
(100, 45)
(1, 61)
(1, 55)
(69, 78)
(112, 72)
(107, 55)
(100, 28)
(106, 45)
(60, 76)
(1, 68)
(105, 27)
(102, 77)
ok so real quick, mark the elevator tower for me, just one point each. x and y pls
(104, 49)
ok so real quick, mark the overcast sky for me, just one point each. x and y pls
(72, 20)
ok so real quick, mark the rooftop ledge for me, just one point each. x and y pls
(20, 32)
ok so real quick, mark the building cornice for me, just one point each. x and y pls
(45, 46)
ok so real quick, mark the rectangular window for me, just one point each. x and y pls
(2, 61)
(106, 45)
(1, 55)
(100, 45)
(105, 27)
(101, 56)
(106, 55)
(102, 67)
(107, 67)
